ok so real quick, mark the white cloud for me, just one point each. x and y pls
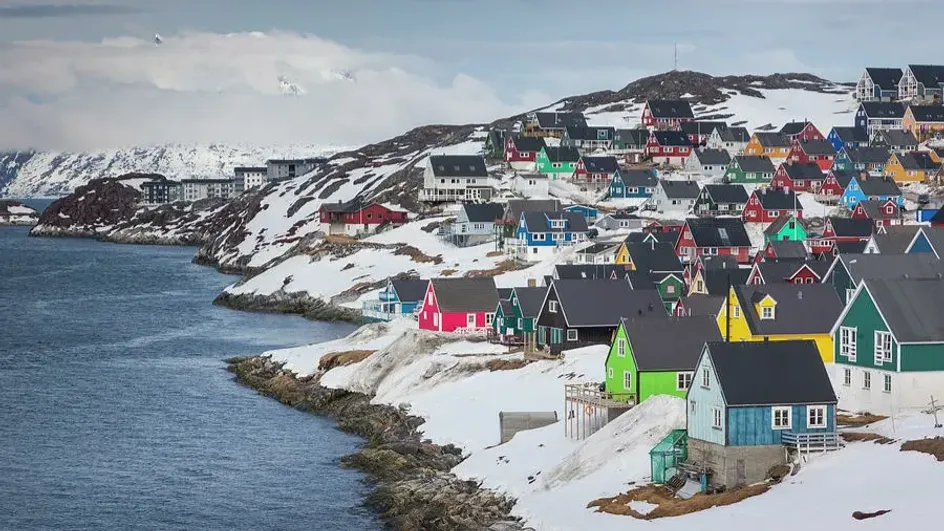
(205, 87)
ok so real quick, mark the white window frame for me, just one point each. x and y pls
(627, 380)
(737, 311)
(621, 348)
(767, 312)
(777, 420)
(866, 380)
(706, 378)
(571, 334)
(882, 347)
(849, 294)
(887, 383)
(717, 418)
(489, 318)
(552, 306)
(816, 411)
(847, 377)
(683, 380)
(847, 342)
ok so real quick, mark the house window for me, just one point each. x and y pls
(705, 378)
(883, 347)
(571, 335)
(683, 381)
(552, 306)
(521, 323)
(609, 372)
(699, 286)
(849, 294)
(847, 342)
(716, 418)
(847, 377)
(815, 416)
(866, 380)
(767, 312)
(888, 383)
(781, 417)
(621, 348)
(538, 236)
(489, 317)
(670, 289)
(737, 312)
(711, 251)
(435, 319)
(627, 380)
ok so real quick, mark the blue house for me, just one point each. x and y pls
(847, 137)
(540, 234)
(932, 213)
(633, 183)
(927, 240)
(749, 400)
(588, 212)
(870, 159)
(398, 298)
(862, 188)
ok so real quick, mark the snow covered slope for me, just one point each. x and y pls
(49, 174)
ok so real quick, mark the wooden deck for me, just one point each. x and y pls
(587, 408)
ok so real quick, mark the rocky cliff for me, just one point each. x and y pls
(16, 213)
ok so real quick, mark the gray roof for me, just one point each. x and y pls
(769, 373)
(530, 300)
(539, 221)
(640, 280)
(603, 163)
(483, 212)
(515, 207)
(670, 109)
(506, 307)
(719, 232)
(800, 309)
(654, 257)
(851, 134)
(576, 132)
(874, 209)
(778, 224)
(878, 185)
(699, 304)
(754, 164)
(561, 153)
(817, 147)
(895, 239)
(672, 138)
(529, 143)
(842, 177)
(635, 137)
(680, 189)
(458, 165)
(850, 227)
(673, 344)
(410, 289)
(735, 134)
(918, 160)
(713, 156)
(598, 248)
(803, 171)
(927, 113)
(883, 109)
(789, 249)
(912, 308)
(772, 139)
(776, 271)
(559, 120)
(465, 294)
(868, 154)
(793, 128)
(935, 236)
(505, 293)
(885, 78)
(774, 199)
(590, 271)
(716, 280)
(604, 302)
(896, 138)
(701, 128)
(889, 266)
(931, 76)
(638, 178)
(726, 193)
(856, 247)
(718, 262)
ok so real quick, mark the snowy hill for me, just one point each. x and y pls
(49, 174)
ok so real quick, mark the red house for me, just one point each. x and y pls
(459, 305)
(356, 217)
(835, 184)
(668, 147)
(714, 237)
(844, 230)
(819, 152)
(522, 151)
(767, 204)
(666, 114)
(880, 213)
(798, 176)
(788, 271)
(596, 169)
(799, 131)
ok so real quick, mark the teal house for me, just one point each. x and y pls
(750, 401)
(557, 162)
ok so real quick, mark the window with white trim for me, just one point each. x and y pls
(849, 294)
(627, 380)
(767, 312)
(705, 378)
(552, 306)
(815, 416)
(716, 417)
(737, 311)
(435, 319)
(489, 317)
(866, 380)
(781, 417)
(571, 335)
(883, 347)
(683, 380)
(847, 342)
(621, 348)
(888, 383)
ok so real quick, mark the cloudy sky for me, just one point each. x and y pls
(82, 74)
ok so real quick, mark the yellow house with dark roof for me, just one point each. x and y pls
(772, 145)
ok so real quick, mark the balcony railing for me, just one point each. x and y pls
(811, 442)
(381, 310)
(590, 393)
(472, 330)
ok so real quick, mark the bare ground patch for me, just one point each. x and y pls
(506, 364)
(668, 505)
(340, 359)
(858, 420)
(417, 256)
(932, 446)
(501, 267)
(448, 272)
(860, 437)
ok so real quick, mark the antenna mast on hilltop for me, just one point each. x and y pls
(675, 64)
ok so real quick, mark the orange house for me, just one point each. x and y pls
(913, 167)
(772, 145)
(924, 121)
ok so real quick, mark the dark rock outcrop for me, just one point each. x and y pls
(16, 213)
(413, 488)
(282, 302)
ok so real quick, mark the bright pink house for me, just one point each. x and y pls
(459, 305)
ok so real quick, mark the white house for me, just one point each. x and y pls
(674, 197)
(448, 178)
(530, 185)
(878, 84)
(251, 177)
(733, 140)
(197, 189)
(597, 253)
(707, 162)
(474, 224)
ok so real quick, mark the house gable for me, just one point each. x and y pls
(703, 401)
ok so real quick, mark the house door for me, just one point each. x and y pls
(470, 320)
(741, 474)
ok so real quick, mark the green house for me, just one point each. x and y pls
(746, 169)
(671, 287)
(785, 228)
(849, 270)
(495, 145)
(652, 356)
(515, 316)
(889, 346)
(557, 162)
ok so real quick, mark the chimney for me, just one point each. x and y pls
(532, 283)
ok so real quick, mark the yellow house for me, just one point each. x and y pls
(773, 145)
(914, 167)
(781, 312)
(924, 121)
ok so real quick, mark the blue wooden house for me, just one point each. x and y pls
(633, 184)
(927, 240)
(749, 400)
(400, 297)
(847, 137)
(542, 233)
(871, 159)
(867, 188)
(588, 212)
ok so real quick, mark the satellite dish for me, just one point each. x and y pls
(157, 39)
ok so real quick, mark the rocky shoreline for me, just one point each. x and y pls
(296, 303)
(413, 488)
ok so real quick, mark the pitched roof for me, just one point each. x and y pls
(670, 236)
(716, 280)
(530, 300)
(601, 164)
(699, 304)
(883, 109)
(851, 134)
(719, 232)
(561, 154)
(718, 262)
(912, 308)
(713, 156)
(539, 221)
(458, 165)
(931, 76)
(896, 138)
(410, 289)
(672, 344)
(793, 128)
(800, 309)
(856, 247)
(850, 227)
(768, 373)
(680, 189)
(637, 137)
(778, 224)
(789, 249)
(868, 155)
(597, 248)
(575, 132)
(938, 216)
(701, 128)
(895, 239)
(927, 113)
(483, 212)
(670, 109)
(590, 271)
(354, 205)
(671, 138)
(842, 177)
(638, 179)
(465, 294)
(754, 163)
(918, 160)
(817, 147)
(497, 137)
(875, 209)
(891, 266)
(804, 171)
(604, 302)
(878, 185)
(772, 139)
(515, 207)
(559, 120)
(885, 78)
(774, 199)
(775, 271)
(654, 257)
(506, 306)
(504, 293)
(735, 134)
(529, 143)
(935, 236)
(727, 193)
(640, 280)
